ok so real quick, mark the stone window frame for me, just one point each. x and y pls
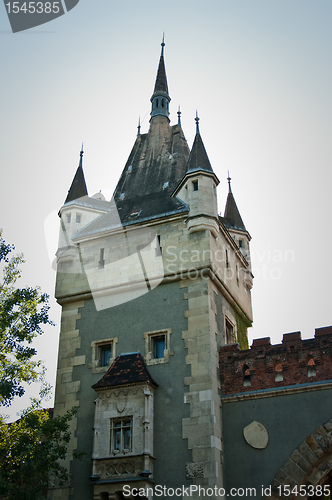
(96, 347)
(149, 354)
(228, 317)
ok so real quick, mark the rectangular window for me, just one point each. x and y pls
(158, 346)
(106, 355)
(121, 434)
(68, 218)
(195, 184)
(229, 332)
(101, 262)
(78, 218)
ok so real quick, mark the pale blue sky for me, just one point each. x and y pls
(259, 73)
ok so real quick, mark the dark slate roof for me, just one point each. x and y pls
(198, 159)
(161, 80)
(147, 182)
(78, 186)
(232, 217)
(127, 369)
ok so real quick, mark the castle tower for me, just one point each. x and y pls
(151, 284)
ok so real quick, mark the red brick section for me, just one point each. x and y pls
(265, 366)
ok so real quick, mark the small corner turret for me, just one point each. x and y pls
(232, 220)
(198, 188)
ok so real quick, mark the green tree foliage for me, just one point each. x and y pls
(29, 452)
(22, 312)
(31, 447)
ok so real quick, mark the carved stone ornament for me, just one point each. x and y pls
(256, 435)
(120, 405)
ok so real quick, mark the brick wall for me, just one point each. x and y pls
(265, 366)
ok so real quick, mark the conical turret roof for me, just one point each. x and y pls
(78, 187)
(232, 214)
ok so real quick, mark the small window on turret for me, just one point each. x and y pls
(68, 218)
(78, 218)
(101, 262)
(157, 103)
(241, 243)
(195, 185)
(162, 103)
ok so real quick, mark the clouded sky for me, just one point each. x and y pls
(259, 74)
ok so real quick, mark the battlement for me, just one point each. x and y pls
(266, 366)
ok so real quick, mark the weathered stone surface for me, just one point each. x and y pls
(256, 435)
(194, 470)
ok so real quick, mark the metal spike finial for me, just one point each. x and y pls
(81, 156)
(163, 45)
(179, 116)
(197, 121)
(229, 183)
(139, 127)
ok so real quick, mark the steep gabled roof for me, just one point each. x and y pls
(78, 187)
(127, 369)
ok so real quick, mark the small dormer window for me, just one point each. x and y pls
(165, 185)
(122, 195)
(78, 218)
(195, 185)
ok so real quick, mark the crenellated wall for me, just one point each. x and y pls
(267, 366)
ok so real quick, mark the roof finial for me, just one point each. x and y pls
(81, 156)
(163, 45)
(229, 183)
(139, 127)
(179, 117)
(197, 120)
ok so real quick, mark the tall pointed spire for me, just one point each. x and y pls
(78, 186)
(160, 99)
(232, 214)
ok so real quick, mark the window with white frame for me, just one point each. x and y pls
(157, 346)
(121, 434)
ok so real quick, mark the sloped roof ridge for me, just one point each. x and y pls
(127, 369)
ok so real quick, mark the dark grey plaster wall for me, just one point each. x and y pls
(289, 420)
(161, 308)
